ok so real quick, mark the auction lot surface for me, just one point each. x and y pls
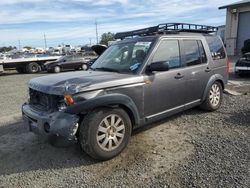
(190, 149)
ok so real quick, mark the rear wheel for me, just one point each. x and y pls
(57, 69)
(33, 68)
(104, 133)
(214, 97)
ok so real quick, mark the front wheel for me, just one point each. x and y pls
(104, 133)
(213, 98)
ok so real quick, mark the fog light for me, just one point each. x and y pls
(46, 127)
(74, 129)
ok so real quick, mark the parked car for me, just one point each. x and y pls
(136, 81)
(69, 62)
(242, 66)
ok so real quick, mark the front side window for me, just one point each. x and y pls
(192, 52)
(168, 51)
(123, 57)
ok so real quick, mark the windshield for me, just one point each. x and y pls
(123, 58)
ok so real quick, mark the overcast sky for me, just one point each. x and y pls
(72, 21)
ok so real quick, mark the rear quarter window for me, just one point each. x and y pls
(216, 47)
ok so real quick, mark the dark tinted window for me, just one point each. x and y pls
(216, 48)
(192, 52)
(202, 52)
(169, 51)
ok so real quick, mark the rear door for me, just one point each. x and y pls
(197, 70)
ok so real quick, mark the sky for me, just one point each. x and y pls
(73, 21)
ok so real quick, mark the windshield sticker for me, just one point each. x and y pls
(134, 67)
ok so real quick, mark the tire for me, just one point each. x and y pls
(21, 70)
(213, 98)
(33, 68)
(85, 67)
(57, 69)
(98, 139)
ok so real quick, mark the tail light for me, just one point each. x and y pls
(228, 67)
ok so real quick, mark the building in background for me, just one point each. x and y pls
(237, 26)
(221, 32)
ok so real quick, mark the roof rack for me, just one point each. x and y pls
(168, 28)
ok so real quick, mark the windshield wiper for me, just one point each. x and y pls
(106, 69)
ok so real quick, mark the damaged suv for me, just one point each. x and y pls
(138, 80)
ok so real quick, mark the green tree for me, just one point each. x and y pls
(27, 47)
(106, 37)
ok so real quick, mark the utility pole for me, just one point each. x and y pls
(90, 42)
(96, 31)
(45, 42)
(19, 45)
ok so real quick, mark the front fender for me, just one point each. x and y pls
(105, 100)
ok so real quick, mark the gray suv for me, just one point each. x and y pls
(138, 80)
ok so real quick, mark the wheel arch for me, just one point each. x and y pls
(110, 101)
(214, 78)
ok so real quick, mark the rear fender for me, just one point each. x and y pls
(213, 79)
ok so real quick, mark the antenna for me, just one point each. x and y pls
(96, 31)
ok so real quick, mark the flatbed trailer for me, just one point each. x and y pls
(26, 65)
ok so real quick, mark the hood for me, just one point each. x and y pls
(99, 48)
(80, 81)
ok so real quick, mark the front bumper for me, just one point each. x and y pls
(45, 123)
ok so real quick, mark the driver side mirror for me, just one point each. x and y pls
(158, 66)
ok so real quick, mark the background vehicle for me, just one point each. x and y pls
(27, 64)
(69, 62)
(166, 69)
(242, 66)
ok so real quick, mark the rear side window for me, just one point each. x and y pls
(169, 51)
(202, 52)
(194, 52)
(216, 48)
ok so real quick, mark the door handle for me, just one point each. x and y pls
(208, 69)
(178, 76)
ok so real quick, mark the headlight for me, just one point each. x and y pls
(62, 107)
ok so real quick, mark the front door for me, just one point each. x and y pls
(164, 91)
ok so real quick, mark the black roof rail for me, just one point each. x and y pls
(166, 28)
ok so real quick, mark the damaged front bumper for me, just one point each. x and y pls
(45, 123)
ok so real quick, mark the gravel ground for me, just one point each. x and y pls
(191, 149)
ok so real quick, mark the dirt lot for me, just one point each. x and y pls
(190, 149)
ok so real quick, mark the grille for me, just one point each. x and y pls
(43, 101)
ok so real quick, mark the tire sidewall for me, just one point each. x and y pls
(221, 96)
(93, 124)
(30, 70)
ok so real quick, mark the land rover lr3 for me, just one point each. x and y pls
(148, 75)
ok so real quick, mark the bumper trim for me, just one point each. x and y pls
(60, 123)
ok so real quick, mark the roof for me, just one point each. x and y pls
(236, 4)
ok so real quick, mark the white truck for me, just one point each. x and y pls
(26, 65)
